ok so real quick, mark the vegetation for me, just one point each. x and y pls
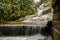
(11, 10)
(14, 9)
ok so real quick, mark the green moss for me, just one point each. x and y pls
(17, 22)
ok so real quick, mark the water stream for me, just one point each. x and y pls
(41, 19)
(30, 32)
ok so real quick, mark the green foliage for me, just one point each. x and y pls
(12, 9)
(27, 7)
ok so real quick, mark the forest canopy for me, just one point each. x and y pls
(12, 9)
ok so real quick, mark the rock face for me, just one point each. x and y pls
(43, 15)
(24, 32)
(19, 30)
(56, 7)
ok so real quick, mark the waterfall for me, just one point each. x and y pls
(42, 9)
(20, 30)
(36, 31)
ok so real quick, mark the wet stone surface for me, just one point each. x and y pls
(19, 30)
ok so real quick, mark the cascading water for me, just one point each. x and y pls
(30, 32)
(40, 19)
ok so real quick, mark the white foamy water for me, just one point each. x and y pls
(36, 1)
(35, 37)
(40, 18)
